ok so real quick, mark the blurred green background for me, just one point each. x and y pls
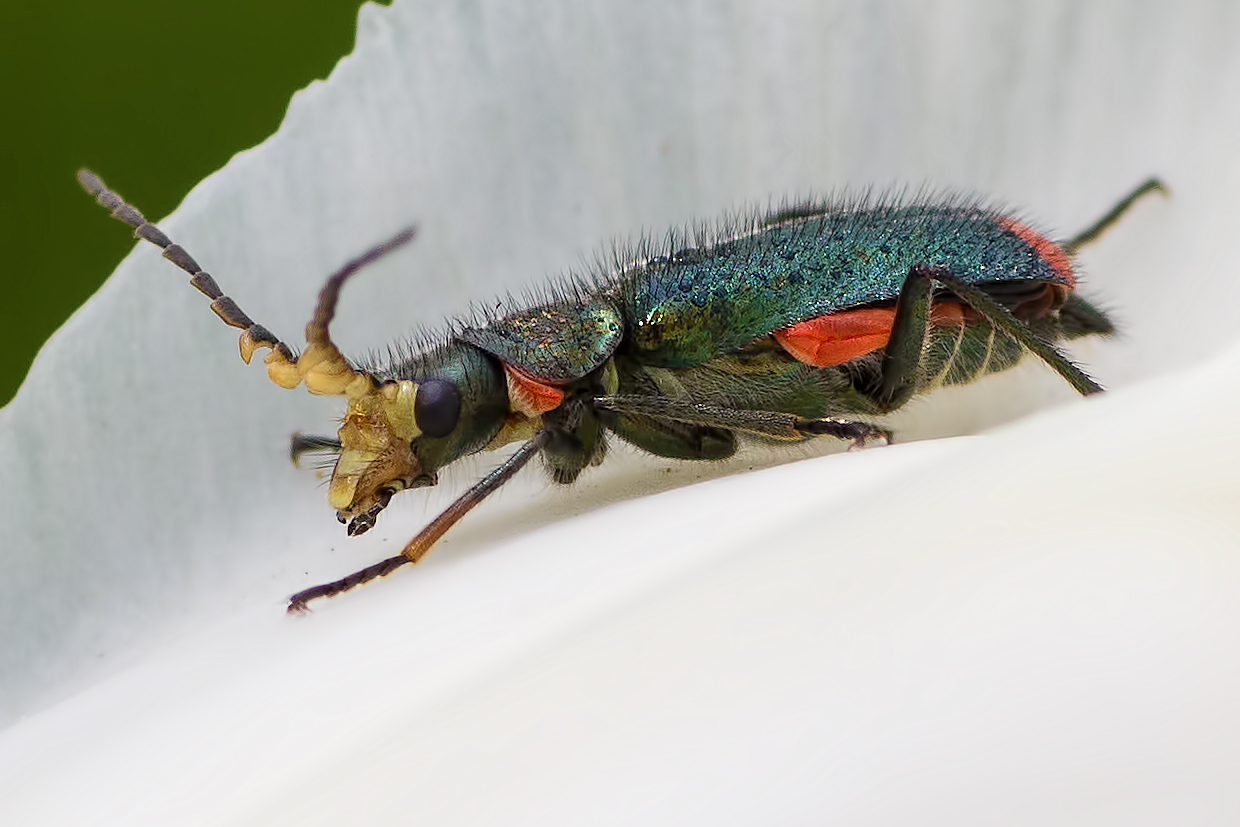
(153, 96)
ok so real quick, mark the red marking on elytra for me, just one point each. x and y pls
(1047, 250)
(840, 337)
(528, 395)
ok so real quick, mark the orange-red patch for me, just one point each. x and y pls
(529, 396)
(1047, 250)
(840, 337)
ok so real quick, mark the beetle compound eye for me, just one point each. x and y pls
(437, 407)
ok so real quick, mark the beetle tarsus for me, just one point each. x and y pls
(297, 604)
(858, 433)
(1114, 214)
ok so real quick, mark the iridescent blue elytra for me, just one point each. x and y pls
(698, 303)
(805, 322)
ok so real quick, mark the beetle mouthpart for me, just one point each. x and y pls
(365, 522)
(376, 453)
(376, 457)
(366, 499)
(302, 444)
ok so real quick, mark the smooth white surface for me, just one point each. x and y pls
(1035, 625)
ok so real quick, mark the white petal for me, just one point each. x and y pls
(1025, 627)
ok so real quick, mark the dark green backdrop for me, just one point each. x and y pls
(150, 94)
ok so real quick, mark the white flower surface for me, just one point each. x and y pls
(1033, 624)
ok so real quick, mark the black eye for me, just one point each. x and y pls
(437, 407)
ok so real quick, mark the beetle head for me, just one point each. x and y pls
(397, 432)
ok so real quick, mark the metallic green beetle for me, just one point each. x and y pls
(805, 322)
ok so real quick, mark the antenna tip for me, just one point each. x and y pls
(90, 181)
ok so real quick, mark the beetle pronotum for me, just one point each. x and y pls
(804, 322)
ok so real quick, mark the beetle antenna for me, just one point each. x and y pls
(322, 366)
(253, 335)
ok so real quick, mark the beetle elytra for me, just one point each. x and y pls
(804, 322)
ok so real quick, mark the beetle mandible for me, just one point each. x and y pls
(804, 322)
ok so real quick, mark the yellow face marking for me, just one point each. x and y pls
(376, 450)
(398, 401)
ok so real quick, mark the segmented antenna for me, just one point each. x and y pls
(317, 332)
(253, 335)
(322, 367)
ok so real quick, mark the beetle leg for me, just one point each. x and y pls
(860, 433)
(1002, 319)
(428, 536)
(764, 423)
(902, 357)
(1100, 226)
(908, 335)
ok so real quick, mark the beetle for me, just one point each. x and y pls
(807, 321)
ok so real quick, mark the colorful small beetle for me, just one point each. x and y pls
(776, 327)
